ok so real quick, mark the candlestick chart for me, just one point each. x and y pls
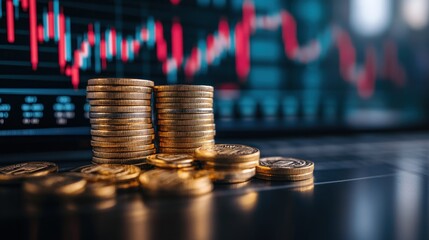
(278, 60)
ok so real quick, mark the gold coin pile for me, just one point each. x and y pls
(162, 182)
(121, 119)
(185, 117)
(228, 163)
(284, 169)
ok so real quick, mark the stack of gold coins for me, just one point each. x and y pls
(121, 120)
(162, 182)
(185, 117)
(229, 163)
(284, 169)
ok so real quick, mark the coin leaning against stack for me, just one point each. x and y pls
(228, 163)
(185, 117)
(121, 120)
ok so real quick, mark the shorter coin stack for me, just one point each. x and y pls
(185, 117)
(284, 169)
(228, 163)
(121, 120)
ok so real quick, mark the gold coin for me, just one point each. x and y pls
(187, 134)
(184, 94)
(181, 128)
(163, 160)
(233, 165)
(130, 185)
(184, 110)
(55, 184)
(231, 176)
(122, 133)
(109, 172)
(191, 122)
(124, 149)
(115, 140)
(121, 81)
(118, 95)
(189, 116)
(121, 127)
(227, 153)
(120, 121)
(186, 100)
(174, 140)
(184, 105)
(139, 154)
(138, 115)
(183, 88)
(99, 190)
(284, 166)
(185, 145)
(292, 177)
(116, 88)
(118, 145)
(119, 102)
(20, 171)
(100, 160)
(126, 109)
(175, 183)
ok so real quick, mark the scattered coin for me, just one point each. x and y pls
(171, 160)
(231, 176)
(109, 172)
(227, 153)
(160, 182)
(285, 166)
(17, 172)
(62, 185)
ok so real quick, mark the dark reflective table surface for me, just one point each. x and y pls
(365, 187)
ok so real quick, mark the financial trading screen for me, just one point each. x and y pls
(274, 63)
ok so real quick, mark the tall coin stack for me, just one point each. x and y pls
(185, 117)
(121, 120)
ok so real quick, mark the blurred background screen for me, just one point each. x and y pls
(276, 65)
